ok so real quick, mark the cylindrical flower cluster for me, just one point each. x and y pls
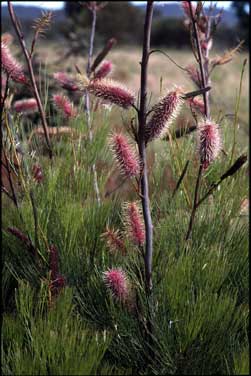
(114, 241)
(209, 142)
(125, 155)
(104, 70)
(26, 106)
(134, 223)
(164, 113)
(112, 92)
(11, 66)
(65, 81)
(64, 104)
(117, 283)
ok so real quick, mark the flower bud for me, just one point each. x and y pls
(164, 113)
(26, 106)
(116, 281)
(11, 66)
(134, 223)
(209, 142)
(63, 104)
(125, 155)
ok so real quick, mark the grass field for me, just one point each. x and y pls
(199, 307)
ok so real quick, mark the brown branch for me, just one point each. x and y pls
(31, 73)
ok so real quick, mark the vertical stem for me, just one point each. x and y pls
(87, 99)
(204, 78)
(142, 148)
(202, 72)
(32, 76)
(206, 66)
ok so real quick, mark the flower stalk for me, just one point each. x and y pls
(142, 149)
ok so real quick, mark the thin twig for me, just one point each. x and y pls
(195, 93)
(31, 73)
(181, 132)
(115, 189)
(181, 178)
(164, 53)
(231, 171)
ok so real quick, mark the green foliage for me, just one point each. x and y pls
(112, 23)
(42, 340)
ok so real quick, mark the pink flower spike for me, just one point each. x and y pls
(104, 70)
(125, 155)
(26, 106)
(63, 104)
(209, 142)
(164, 113)
(11, 66)
(116, 281)
(111, 91)
(65, 81)
(134, 223)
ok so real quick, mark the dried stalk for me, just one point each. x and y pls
(31, 74)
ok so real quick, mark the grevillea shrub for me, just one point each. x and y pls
(167, 281)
